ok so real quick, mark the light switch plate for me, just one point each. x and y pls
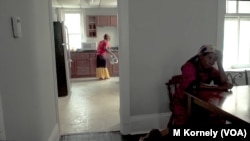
(16, 27)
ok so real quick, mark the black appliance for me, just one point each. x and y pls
(62, 54)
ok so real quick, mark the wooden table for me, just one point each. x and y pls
(234, 105)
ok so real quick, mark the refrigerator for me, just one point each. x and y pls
(63, 60)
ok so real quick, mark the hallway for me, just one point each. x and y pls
(93, 106)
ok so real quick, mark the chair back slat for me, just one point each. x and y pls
(172, 86)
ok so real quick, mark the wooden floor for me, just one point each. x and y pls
(102, 136)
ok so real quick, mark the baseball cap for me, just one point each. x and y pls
(206, 48)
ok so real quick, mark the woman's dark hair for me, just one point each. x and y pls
(206, 53)
(196, 58)
(106, 36)
(195, 84)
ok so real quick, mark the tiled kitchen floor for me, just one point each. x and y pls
(93, 106)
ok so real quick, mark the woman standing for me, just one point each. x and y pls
(102, 50)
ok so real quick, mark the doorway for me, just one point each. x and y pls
(93, 105)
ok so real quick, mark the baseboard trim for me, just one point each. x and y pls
(55, 135)
(144, 123)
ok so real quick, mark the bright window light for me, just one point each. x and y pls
(236, 51)
(73, 23)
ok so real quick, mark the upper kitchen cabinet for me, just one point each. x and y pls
(113, 20)
(91, 26)
(106, 20)
(99, 21)
(103, 21)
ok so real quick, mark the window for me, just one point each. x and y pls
(237, 34)
(72, 20)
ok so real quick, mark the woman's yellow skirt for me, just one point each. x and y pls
(102, 73)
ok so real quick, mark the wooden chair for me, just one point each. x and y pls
(172, 85)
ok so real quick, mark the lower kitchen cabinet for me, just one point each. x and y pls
(92, 64)
(80, 64)
(84, 65)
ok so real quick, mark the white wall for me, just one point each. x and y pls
(27, 72)
(173, 32)
(54, 14)
(2, 130)
(161, 36)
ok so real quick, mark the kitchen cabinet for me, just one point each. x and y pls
(73, 64)
(80, 65)
(106, 20)
(113, 21)
(103, 21)
(91, 26)
(84, 65)
(94, 21)
(92, 64)
(113, 68)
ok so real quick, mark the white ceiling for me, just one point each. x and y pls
(84, 3)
